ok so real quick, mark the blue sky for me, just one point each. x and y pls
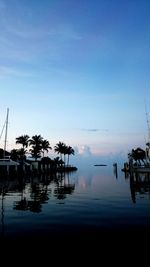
(76, 71)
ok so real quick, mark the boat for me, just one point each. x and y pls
(6, 162)
(142, 169)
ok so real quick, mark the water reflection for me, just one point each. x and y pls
(94, 200)
(139, 184)
(2, 211)
(36, 191)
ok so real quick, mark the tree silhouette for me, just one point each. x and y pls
(23, 140)
(138, 154)
(36, 144)
(70, 151)
(18, 154)
(14, 154)
(45, 146)
(59, 148)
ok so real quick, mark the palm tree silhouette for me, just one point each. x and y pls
(70, 151)
(36, 143)
(59, 148)
(62, 149)
(23, 140)
(45, 146)
(138, 154)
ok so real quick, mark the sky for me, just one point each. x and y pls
(76, 71)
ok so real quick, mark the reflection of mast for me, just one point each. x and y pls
(2, 214)
(6, 132)
(132, 189)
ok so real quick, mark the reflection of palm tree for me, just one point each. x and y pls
(64, 187)
(59, 193)
(35, 206)
(39, 196)
(21, 205)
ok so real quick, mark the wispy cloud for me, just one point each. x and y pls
(66, 32)
(94, 130)
(26, 39)
(21, 27)
(11, 71)
(2, 5)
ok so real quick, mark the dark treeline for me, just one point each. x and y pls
(30, 157)
(36, 148)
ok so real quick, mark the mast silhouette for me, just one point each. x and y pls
(147, 120)
(5, 142)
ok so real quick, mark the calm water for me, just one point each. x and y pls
(86, 203)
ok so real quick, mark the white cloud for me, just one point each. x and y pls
(85, 150)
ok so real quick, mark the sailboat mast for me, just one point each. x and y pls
(5, 142)
(147, 120)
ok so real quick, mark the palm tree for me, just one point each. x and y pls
(23, 140)
(138, 154)
(36, 143)
(70, 151)
(59, 148)
(64, 152)
(45, 146)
